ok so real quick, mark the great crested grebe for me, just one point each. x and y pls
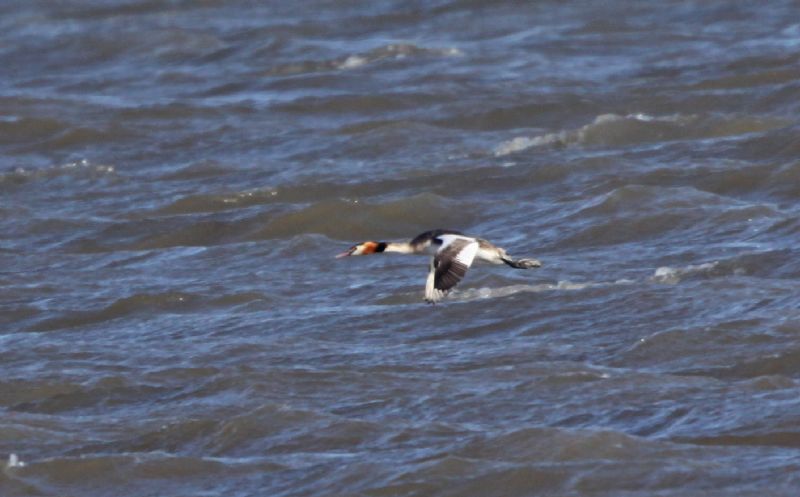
(453, 253)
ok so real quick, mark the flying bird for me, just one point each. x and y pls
(453, 253)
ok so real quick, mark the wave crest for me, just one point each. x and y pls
(618, 130)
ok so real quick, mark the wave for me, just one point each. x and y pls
(467, 294)
(146, 304)
(775, 264)
(219, 202)
(199, 170)
(369, 192)
(396, 51)
(633, 212)
(640, 128)
(673, 275)
(149, 469)
(83, 169)
(356, 220)
(667, 275)
(392, 51)
(16, 130)
(473, 294)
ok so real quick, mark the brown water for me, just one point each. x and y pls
(176, 177)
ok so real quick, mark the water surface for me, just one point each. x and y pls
(176, 178)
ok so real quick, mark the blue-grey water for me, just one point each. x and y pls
(176, 178)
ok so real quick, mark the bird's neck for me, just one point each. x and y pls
(399, 248)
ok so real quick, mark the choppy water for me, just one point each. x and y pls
(176, 178)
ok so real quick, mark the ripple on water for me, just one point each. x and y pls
(144, 305)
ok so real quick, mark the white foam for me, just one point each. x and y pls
(580, 135)
(352, 62)
(505, 291)
(524, 142)
(671, 275)
(14, 462)
(663, 274)
(76, 167)
(397, 51)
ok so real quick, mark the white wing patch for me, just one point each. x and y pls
(467, 254)
(449, 238)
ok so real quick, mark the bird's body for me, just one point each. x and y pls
(453, 253)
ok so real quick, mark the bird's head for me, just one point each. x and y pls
(364, 248)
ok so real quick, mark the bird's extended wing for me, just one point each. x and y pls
(449, 265)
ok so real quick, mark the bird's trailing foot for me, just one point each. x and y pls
(523, 263)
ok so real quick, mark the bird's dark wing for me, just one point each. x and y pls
(449, 265)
